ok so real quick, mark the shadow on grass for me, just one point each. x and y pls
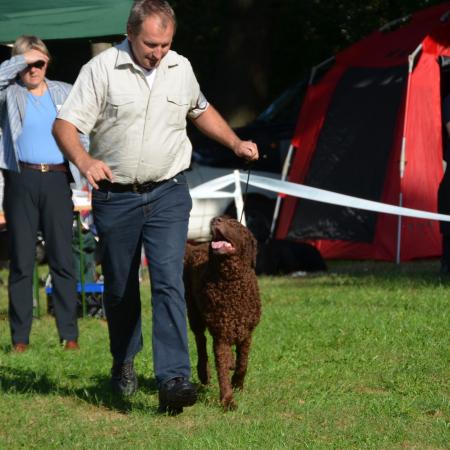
(423, 270)
(351, 273)
(19, 381)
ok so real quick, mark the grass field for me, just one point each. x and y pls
(357, 358)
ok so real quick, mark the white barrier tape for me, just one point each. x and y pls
(206, 189)
(320, 195)
(218, 194)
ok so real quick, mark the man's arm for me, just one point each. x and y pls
(68, 139)
(214, 126)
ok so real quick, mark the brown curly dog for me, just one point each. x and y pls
(222, 295)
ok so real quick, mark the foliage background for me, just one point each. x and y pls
(246, 52)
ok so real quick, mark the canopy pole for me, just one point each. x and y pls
(284, 172)
(315, 69)
(402, 164)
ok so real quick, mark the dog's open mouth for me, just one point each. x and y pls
(220, 245)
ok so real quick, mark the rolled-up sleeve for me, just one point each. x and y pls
(85, 101)
(198, 104)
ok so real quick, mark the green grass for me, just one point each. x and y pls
(354, 359)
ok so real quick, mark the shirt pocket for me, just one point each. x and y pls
(119, 107)
(177, 109)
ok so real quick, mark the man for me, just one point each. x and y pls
(133, 100)
(37, 192)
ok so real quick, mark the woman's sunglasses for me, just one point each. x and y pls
(37, 65)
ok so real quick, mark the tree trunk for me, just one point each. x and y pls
(243, 66)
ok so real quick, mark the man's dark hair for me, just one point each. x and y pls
(142, 9)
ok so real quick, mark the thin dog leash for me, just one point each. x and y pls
(246, 190)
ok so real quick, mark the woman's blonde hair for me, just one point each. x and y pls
(25, 43)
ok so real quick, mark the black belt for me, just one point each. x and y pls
(138, 188)
(44, 167)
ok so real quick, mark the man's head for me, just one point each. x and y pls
(151, 27)
(34, 74)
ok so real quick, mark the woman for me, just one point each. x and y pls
(37, 192)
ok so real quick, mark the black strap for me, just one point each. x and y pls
(246, 190)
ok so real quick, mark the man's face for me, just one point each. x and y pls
(34, 74)
(152, 43)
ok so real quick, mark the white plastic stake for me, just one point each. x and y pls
(238, 200)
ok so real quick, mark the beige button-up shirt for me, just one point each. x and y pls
(139, 133)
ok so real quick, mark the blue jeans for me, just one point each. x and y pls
(159, 220)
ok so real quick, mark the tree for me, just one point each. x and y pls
(245, 52)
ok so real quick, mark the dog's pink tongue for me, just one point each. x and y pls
(216, 245)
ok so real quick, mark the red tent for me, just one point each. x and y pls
(370, 127)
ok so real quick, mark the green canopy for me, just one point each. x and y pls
(62, 19)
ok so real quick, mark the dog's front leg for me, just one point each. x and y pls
(242, 352)
(222, 353)
(202, 355)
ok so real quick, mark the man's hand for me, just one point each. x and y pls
(246, 149)
(95, 170)
(68, 140)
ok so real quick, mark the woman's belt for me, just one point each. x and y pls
(45, 167)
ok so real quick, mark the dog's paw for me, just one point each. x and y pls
(205, 381)
(237, 382)
(228, 403)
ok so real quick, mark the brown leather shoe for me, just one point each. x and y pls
(20, 347)
(71, 345)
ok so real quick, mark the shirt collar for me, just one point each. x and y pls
(125, 57)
